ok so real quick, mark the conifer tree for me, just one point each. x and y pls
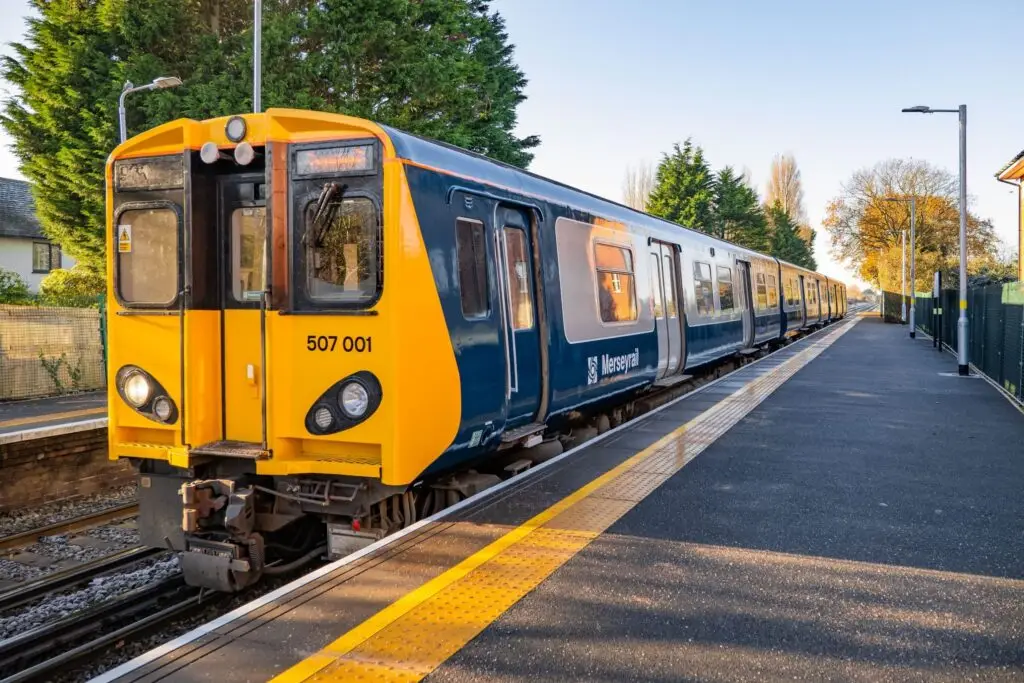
(439, 68)
(684, 189)
(786, 242)
(738, 214)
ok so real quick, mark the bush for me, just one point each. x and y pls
(13, 290)
(76, 287)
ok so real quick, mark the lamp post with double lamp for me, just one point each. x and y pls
(158, 84)
(961, 323)
(913, 259)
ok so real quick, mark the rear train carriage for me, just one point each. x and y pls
(313, 317)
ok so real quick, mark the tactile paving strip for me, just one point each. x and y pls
(413, 636)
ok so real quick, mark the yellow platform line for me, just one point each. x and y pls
(84, 412)
(410, 638)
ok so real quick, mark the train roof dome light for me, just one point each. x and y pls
(235, 129)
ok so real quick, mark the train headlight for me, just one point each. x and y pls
(323, 418)
(354, 399)
(137, 389)
(163, 408)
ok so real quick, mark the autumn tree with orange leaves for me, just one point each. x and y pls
(865, 229)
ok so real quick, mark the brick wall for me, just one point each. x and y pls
(58, 467)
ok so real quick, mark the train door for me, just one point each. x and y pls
(243, 232)
(667, 309)
(803, 301)
(519, 315)
(748, 296)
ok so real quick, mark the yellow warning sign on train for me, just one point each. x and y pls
(124, 239)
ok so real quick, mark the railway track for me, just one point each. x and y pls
(69, 525)
(74, 576)
(89, 633)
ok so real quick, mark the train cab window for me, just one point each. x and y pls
(471, 253)
(725, 292)
(616, 290)
(702, 286)
(762, 292)
(518, 262)
(147, 256)
(773, 293)
(248, 239)
(341, 251)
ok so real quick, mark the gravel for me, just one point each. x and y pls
(23, 520)
(114, 533)
(16, 571)
(64, 547)
(100, 589)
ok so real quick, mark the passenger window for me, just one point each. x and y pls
(248, 240)
(762, 292)
(670, 288)
(702, 287)
(518, 263)
(725, 296)
(147, 268)
(656, 310)
(773, 293)
(471, 252)
(615, 287)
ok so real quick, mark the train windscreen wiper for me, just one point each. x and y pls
(327, 205)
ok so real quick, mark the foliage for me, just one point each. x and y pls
(684, 188)
(786, 241)
(738, 214)
(865, 229)
(439, 68)
(76, 287)
(637, 186)
(13, 289)
(53, 366)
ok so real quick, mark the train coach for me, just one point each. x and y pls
(314, 320)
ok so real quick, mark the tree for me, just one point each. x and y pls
(786, 242)
(738, 214)
(13, 289)
(684, 189)
(865, 229)
(637, 186)
(785, 188)
(439, 68)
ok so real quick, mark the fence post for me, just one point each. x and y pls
(103, 331)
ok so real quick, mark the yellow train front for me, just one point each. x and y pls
(259, 367)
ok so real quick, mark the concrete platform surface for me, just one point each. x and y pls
(864, 523)
(41, 415)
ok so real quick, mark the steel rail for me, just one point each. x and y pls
(74, 524)
(73, 576)
(81, 635)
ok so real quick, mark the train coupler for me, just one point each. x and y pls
(224, 566)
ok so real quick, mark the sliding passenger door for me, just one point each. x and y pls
(748, 296)
(667, 310)
(518, 309)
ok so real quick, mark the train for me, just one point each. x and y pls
(321, 328)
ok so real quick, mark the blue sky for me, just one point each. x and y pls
(613, 83)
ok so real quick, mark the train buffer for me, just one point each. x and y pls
(46, 417)
(844, 509)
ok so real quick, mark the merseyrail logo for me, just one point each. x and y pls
(605, 365)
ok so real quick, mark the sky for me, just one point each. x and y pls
(613, 84)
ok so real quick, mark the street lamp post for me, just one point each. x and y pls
(961, 324)
(129, 88)
(913, 258)
(903, 278)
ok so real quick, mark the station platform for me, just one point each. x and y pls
(44, 417)
(844, 509)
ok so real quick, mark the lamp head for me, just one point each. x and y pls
(167, 82)
(919, 109)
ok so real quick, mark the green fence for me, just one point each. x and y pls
(995, 315)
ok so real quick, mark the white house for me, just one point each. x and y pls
(23, 248)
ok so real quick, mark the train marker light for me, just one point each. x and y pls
(323, 418)
(209, 152)
(244, 154)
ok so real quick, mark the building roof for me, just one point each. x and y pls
(17, 210)
(1013, 170)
